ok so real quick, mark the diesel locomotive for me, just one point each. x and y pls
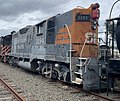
(63, 47)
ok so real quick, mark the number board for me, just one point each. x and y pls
(82, 17)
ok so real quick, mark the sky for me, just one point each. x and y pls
(16, 14)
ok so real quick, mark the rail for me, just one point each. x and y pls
(12, 91)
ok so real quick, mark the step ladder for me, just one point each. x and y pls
(78, 72)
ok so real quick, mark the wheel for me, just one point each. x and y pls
(54, 74)
(47, 70)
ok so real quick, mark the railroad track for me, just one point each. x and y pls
(79, 92)
(98, 97)
(10, 92)
(86, 95)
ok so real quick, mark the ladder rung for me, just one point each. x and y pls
(48, 72)
(72, 50)
(82, 58)
(77, 81)
(103, 82)
(79, 65)
(77, 73)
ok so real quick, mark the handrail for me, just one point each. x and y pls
(70, 50)
(89, 59)
(82, 50)
(83, 47)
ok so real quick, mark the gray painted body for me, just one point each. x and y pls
(35, 44)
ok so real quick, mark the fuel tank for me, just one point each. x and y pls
(25, 65)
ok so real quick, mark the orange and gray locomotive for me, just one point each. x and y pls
(63, 47)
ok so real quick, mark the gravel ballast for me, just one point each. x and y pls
(41, 88)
